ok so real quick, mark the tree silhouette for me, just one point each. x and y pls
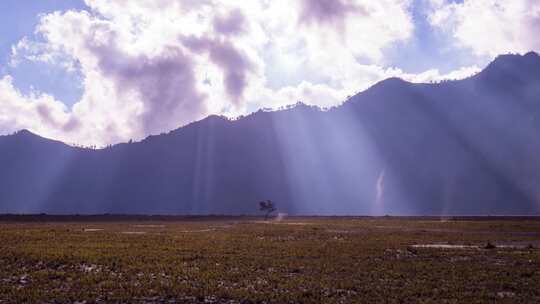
(267, 206)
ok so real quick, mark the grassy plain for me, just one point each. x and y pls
(247, 260)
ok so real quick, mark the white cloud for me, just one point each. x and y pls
(40, 113)
(490, 27)
(435, 75)
(151, 66)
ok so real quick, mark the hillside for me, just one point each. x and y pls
(459, 147)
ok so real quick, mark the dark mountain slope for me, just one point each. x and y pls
(468, 146)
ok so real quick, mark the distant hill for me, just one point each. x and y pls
(459, 147)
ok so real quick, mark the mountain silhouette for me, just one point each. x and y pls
(470, 146)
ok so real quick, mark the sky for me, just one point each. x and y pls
(99, 72)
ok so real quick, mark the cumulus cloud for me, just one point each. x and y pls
(165, 84)
(489, 27)
(40, 113)
(332, 12)
(232, 23)
(235, 64)
(362, 28)
(435, 75)
(152, 66)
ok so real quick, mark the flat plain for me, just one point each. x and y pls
(115, 259)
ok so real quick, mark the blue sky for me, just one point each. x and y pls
(19, 20)
(427, 48)
(144, 67)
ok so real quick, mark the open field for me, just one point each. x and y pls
(247, 260)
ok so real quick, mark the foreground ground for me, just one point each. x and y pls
(247, 260)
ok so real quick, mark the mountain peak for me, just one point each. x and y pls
(389, 84)
(532, 54)
(516, 59)
(25, 133)
(20, 135)
(506, 69)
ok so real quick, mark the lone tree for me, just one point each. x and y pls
(267, 206)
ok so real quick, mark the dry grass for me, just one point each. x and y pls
(300, 260)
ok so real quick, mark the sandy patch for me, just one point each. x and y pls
(445, 246)
(339, 231)
(200, 230)
(498, 245)
(92, 229)
(296, 224)
(282, 223)
(207, 229)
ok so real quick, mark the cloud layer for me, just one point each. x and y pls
(152, 66)
(490, 27)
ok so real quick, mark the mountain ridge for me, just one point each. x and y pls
(456, 147)
(504, 59)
